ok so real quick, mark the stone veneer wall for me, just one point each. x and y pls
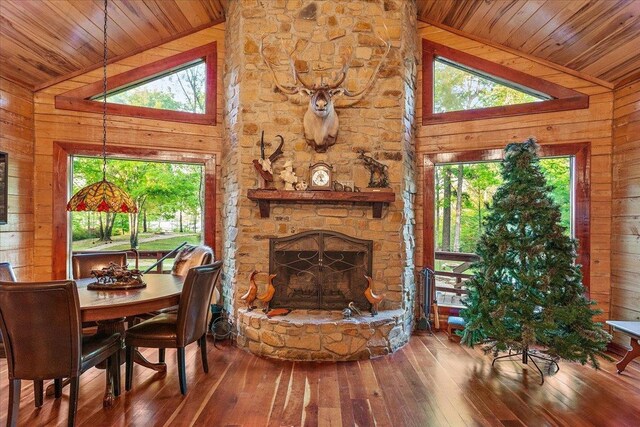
(381, 124)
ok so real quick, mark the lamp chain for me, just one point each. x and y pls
(104, 98)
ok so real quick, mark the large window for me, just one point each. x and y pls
(459, 189)
(179, 88)
(170, 201)
(457, 86)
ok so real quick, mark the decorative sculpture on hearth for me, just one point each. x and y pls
(379, 173)
(250, 296)
(321, 120)
(372, 297)
(268, 295)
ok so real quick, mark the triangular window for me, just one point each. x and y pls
(179, 88)
(183, 89)
(457, 86)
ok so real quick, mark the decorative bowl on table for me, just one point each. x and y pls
(116, 277)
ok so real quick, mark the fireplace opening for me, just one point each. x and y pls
(320, 270)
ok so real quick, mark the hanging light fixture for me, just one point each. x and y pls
(103, 196)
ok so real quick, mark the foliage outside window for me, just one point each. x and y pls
(181, 90)
(464, 194)
(169, 198)
(459, 89)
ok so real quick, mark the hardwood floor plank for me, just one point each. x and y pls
(430, 382)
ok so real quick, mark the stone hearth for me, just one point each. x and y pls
(322, 334)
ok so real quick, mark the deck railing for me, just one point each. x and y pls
(137, 256)
(458, 272)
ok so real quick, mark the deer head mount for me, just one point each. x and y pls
(321, 120)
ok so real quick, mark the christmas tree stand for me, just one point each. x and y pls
(531, 355)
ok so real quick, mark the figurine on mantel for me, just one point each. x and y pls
(288, 176)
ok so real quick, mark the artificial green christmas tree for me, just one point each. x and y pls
(527, 292)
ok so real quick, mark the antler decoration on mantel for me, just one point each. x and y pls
(265, 166)
(320, 120)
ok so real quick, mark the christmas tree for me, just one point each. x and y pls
(527, 291)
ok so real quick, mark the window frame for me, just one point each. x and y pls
(581, 154)
(62, 156)
(562, 98)
(80, 99)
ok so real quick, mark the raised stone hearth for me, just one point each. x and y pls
(321, 334)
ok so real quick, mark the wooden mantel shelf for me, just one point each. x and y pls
(377, 199)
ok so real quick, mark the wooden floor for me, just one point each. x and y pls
(430, 382)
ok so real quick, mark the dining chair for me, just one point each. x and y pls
(188, 257)
(82, 264)
(6, 275)
(40, 322)
(177, 330)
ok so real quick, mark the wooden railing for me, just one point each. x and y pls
(136, 256)
(458, 272)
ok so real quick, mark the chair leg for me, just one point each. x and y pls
(115, 373)
(129, 368)
(57, 387)
(14, 403)
(73, 400)
(203, 353)
(38, 392)
(182, 374)
(161, 354)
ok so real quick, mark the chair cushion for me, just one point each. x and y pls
(158, 332)
(96, 348)
(456, 321)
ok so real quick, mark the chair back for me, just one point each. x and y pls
(195, 301)
(191, 256)
(82, 264)
(40, 323)
(6, 272)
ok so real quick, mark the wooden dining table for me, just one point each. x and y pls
(110, 308)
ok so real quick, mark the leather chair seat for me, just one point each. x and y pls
(158, 332)
(96, 348)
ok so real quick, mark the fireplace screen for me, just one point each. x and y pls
(320, 270)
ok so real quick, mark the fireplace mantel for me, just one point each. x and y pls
(377, 199)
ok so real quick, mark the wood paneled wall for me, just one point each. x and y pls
(625, 241)
(16, 138)
(53, 125)
(592, 125)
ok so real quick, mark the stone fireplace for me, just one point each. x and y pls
(321, 270)
(353, 240)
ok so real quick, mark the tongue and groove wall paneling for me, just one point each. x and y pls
(625, 241)
(16, 138)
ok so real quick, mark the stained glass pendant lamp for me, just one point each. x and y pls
(103, 196)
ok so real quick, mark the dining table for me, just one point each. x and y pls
(110, 309)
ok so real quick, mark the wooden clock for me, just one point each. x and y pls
(320, 176)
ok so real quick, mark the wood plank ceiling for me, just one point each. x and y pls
(599, 38)
(44, 40)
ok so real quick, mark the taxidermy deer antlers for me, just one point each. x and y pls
(320, 120)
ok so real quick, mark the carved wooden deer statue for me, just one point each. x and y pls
(321, 120)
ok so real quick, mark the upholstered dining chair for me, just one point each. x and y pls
(177, 330)
(41, 326)
(6, 275)
(82, 264)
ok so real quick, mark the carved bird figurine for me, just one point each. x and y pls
(373, 298)
(250, 296)
(268, 295)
